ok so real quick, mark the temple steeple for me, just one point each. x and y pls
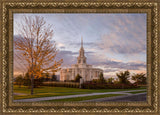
(81, 58)
(81, 42)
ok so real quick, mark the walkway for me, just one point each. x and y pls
(19, 94)
(128, 98)
(73, 96)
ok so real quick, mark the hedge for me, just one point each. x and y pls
(61, 84)
(108, 86)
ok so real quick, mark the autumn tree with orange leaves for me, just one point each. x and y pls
(34, 45)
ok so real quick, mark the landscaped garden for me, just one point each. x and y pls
(46, 88)
(46, 91)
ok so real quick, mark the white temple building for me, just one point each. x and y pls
(82, 68)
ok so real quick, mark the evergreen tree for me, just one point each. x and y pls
(54, 77)
(77, 78)
(27, 80)
(19, 80)
(123, 77)
(110, 80)
(101, 78)
(139, 78)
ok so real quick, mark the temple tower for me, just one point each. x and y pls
(81, 58)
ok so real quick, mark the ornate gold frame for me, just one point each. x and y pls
(8, 7)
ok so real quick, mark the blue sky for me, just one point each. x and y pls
(113, 42)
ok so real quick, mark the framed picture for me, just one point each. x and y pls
(75, 57)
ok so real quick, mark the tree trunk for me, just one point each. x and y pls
(32, 78)
(32, 83)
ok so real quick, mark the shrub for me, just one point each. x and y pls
(121, 86)
(61, 84)
(93, 85)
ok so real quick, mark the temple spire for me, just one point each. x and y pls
(81, 58)
(81, 42)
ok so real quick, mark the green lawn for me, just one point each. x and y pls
(84, 98)
(45, 91)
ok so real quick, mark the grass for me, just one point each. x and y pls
(137, 92)
(84, 98)
(45, 91)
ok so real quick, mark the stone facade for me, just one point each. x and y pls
(82, 68)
